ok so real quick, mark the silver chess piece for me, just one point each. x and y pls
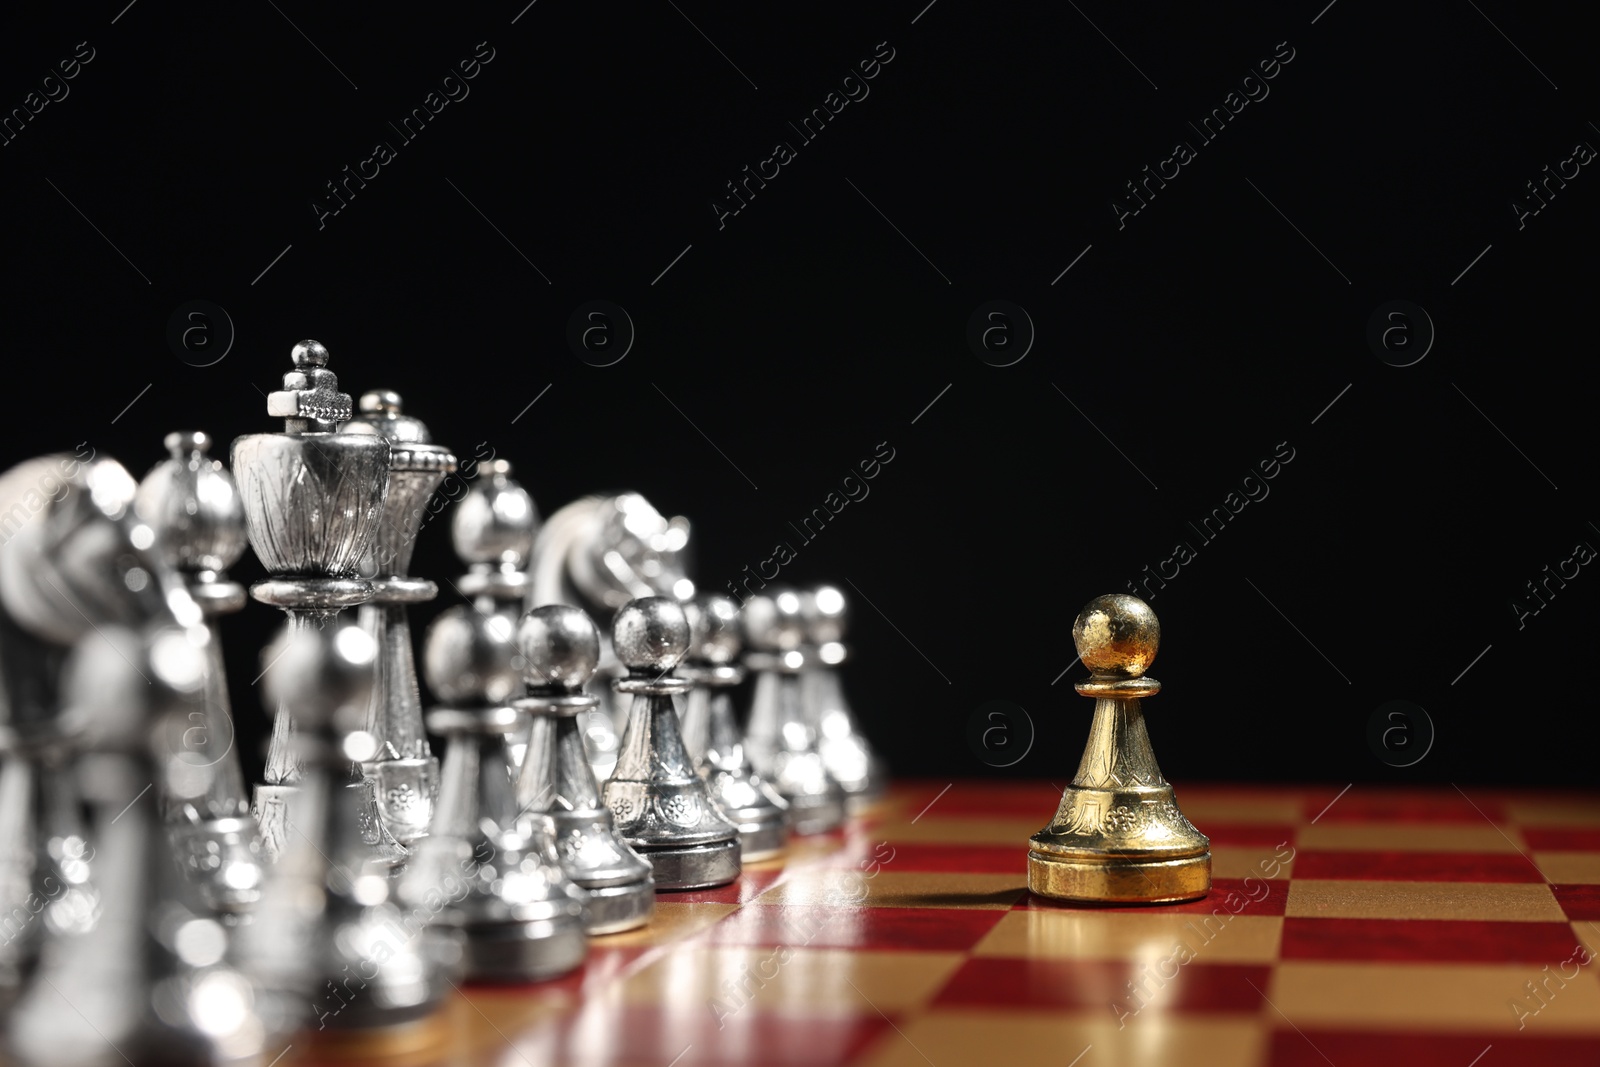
(405, 774)
(494, 865)
(492, 530)
(313, 502)
(192, 504)
(77, 562)
(598, 553)
(712, 735)
(46, 859)
(331, 943)
(45, 855)
(149, 983)
(846, 752)
(659, 801)
(781, 736)
(560, 648)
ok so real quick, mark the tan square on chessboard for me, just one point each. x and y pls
(1405, 837)
(1453, 996)
(1569, 868)
(898, 889)
(1588, 933)
(1246, 861)
(1097, 934)
(1486, 901)
(1542, 812)
(806, 980)
(987, 1038)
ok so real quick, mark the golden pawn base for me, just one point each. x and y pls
(1118, 880)
(1119, 846)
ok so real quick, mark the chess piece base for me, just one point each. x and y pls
(224, 857)
(857, 768)
(1122, 846)
(750, 804)
(816, 813)
(692, 866)
(1119, 879)
(400, 1039)
(864, 801)
(612, 909)
(761, 838)
(524, 952)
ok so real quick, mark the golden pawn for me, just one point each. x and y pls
(1118, 836)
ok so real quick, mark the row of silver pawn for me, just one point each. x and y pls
(525, 855)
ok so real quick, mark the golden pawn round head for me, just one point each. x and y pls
(1117, 635)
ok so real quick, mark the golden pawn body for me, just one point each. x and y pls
(1118, 836)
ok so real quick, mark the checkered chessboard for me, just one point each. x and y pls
(1361, 927)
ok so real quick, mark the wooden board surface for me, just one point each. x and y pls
(1375, 926)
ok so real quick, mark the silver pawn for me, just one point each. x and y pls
(712, 735)
(149, 984)
(45, 889)
(492, 530)
(845, 750)
(313, 502)
(781, 738)
(495, 865)
(560, 648)
(45, 855)
(405, 773)
(331, 944)
(598, 553)
(658, 799)
(71, 565)
(192, 504)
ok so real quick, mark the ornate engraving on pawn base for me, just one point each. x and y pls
(404, 778)
(313, 499)
(1118, 835)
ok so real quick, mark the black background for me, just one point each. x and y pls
(808, 329)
